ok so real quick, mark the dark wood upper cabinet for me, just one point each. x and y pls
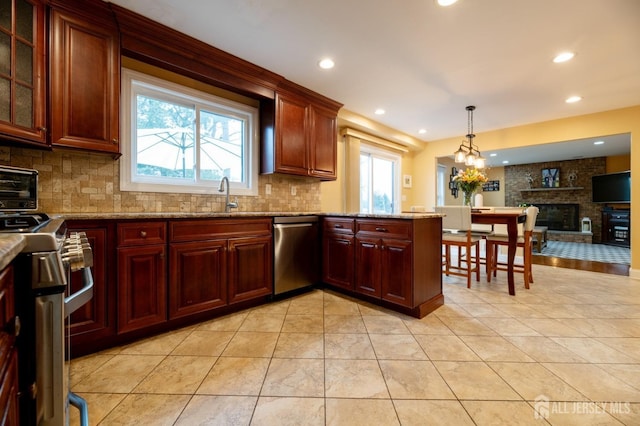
(304, 138)
(23, 76)
(324, 144)
(85, 80)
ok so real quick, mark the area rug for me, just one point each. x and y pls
(582, 251)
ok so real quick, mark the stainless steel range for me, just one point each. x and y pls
(42, 271)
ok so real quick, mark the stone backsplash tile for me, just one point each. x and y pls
(81, 182)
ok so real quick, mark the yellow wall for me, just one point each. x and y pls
(618, 163)
(342, 195)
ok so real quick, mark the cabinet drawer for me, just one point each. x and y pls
(199, 230)
(390, 228)
(141, 233)
(339, 224)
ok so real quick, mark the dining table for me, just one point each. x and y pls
(511, 219)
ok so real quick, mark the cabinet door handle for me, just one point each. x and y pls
(380, 229)
(143, 234)
(42, 129)
(15, 328)
(114, 140)
(337, 225)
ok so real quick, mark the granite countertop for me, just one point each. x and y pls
(10, 246)
(179, 215)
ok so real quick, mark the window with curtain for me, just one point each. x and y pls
(379, 181)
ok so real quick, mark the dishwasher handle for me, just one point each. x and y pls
(292, 225)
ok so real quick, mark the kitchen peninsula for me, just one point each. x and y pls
(149, 276)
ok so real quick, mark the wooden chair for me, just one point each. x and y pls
(500, 238)
(456, 232)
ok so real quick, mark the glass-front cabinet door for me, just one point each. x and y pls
(22, 71)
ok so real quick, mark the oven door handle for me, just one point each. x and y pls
(82, 296)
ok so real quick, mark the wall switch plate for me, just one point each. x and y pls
(267, 189)
(293, 190)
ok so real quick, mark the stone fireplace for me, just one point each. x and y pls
(559, 217)
(570, 192)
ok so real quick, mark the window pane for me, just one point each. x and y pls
(221, 146)
(165, 138)
(382, 185)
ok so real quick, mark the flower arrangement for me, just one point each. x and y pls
(469, 181)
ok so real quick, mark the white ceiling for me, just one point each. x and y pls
(423, 63)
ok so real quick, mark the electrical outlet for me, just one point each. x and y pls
(293, 190)
(267, 189)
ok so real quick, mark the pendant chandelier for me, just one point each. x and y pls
(468, 153)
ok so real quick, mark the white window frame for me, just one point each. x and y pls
(397, 162)
(134, 82)
(441, 182)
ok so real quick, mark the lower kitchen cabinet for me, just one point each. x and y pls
(142, 269)
(396, 272)
(396, 261)
(95, 320)
(368, 266)
(250, 268)
(198, 277)
(383, 262)
(218, 262)
(338, 252)
(9, 413)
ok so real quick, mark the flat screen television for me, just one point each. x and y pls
(611, 188)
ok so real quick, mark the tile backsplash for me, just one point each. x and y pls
(81, 182)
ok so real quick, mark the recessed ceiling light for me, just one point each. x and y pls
(422, 131)
(505, 161)
(493, 154)
(380, 111)
(563, 57)
(446, 2)
(573, 99)
(326, 64)
(598, 142)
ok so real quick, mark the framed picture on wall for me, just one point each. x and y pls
(550, 178)
(492, 185)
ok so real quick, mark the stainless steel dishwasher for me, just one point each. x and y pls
(296, 253)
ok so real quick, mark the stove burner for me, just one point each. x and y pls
(22, 222)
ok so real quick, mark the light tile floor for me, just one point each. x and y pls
(569, 347)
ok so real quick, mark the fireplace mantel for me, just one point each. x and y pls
(567, 188)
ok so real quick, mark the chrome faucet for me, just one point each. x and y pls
(227, 204)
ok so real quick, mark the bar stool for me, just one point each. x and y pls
(524, 242)
(456, 232)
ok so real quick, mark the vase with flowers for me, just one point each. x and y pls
(469, 181)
